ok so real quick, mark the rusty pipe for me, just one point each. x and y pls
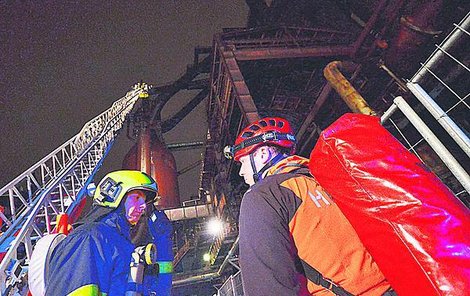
(344, 88)
(416, 31)
(144, 150)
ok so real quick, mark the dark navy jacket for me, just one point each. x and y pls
(93, 260)
(161, 230)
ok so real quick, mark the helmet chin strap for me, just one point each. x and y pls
(253, 167)
(259, 175)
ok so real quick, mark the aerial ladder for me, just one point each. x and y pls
(55, 185)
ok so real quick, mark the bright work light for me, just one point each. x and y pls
(215, 226)
(206, 257)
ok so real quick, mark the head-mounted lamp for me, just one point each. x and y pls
(228, 152)
(110, 190)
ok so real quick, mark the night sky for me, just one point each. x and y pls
(64, 62)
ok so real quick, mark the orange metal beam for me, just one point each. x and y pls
(305, 52)
(244, 99)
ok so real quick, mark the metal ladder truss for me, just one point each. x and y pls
(55, 185)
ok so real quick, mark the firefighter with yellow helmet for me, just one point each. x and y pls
(94, 258)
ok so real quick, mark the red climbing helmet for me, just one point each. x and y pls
(267, 131)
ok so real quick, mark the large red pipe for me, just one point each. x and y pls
(151, 155)
(415, 31)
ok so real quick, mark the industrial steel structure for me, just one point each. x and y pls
(309, 63)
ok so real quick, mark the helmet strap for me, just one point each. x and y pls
(256, 176)
(259, 175)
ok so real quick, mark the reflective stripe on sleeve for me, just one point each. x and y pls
(88, 290)
(165, 266)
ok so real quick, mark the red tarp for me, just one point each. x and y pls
(414, 227)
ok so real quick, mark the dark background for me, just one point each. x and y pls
(64, 62)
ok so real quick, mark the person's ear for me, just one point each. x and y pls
(265, 154)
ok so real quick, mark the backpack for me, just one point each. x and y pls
(410, 222)
(39, 263)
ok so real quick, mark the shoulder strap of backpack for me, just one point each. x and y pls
(317, 278)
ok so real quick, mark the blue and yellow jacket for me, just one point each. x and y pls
(94, 259)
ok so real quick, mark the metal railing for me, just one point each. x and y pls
(441, 88)
(232, 286)
(55, 185)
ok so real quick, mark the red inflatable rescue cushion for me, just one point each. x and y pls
(416, 230)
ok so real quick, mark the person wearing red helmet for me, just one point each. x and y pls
(294, 240)
(274, 134)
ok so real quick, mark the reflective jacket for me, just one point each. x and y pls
(93, 259)
(161, 230)
(286, 217)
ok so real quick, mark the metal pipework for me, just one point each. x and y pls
(416, 30)
(144, 151)
(344, 88)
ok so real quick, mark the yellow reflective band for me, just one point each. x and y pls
(165, 266)
(88, 290)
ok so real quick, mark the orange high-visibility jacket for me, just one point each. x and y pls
(287, 216)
